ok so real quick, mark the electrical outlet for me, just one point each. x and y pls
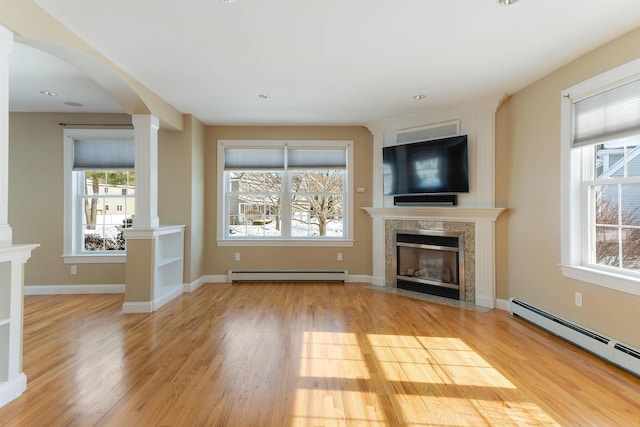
(339, 256)
(578, 299)
(74, 270)
(237, 256)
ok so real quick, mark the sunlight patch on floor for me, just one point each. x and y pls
(375, 379)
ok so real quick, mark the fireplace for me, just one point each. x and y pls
(429, 261)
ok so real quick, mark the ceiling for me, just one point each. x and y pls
(337, 62)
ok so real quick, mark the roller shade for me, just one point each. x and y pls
(253, 158)
(100, 154)
(299, 158)
(614, 113)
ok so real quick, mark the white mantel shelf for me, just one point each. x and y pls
(443, 213)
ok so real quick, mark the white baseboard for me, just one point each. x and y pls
(502, 304)
(190, 287)
(219, 278)
(72, 289)
(168, 296)
(10, 390)
(137, 307)
(359, 278)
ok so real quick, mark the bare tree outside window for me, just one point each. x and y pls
(616, 245)
(317, 198)
(315, 201)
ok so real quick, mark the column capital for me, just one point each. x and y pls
(145, 121)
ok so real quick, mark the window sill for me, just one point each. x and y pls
(281, 243)
(619, 282)
(95, 259)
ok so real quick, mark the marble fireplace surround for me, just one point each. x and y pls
(478, 225)
(467, 228)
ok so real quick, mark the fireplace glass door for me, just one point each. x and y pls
(430, 262)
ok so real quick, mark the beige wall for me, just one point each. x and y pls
(532, 141)
(181, 189)
(187, 195)
(356, 259)
(36, 197)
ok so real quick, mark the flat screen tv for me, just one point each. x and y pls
(436, 166)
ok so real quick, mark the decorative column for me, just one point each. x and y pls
(146, 142)
(155, 255)
(13, 382)
(6, 47)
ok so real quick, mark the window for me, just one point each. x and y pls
(99, 173)
(294, 192)
(601, 180)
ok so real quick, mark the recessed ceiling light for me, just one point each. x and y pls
(419, 97)
(264, 96)
(73, 104)
(507, 2)
(228, 1)
(48, 93)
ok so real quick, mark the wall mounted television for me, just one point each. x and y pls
(438, 166)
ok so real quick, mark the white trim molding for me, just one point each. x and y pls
(73, 289)
(137, 307)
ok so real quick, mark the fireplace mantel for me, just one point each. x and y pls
(484, 224)
(437, 213)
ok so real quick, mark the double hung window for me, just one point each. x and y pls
(99, 194)
(601, 180)
(275, 191)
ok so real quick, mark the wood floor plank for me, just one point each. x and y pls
(320, 354)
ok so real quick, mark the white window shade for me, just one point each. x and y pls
(614, 113)
(253, 158)
(98, 154)
(316, 158)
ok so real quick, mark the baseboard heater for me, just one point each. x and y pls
(607, 348)
(288, 275)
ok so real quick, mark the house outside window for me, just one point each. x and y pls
(102, 230)
(99, 173)
(293, 192)
(601, 180)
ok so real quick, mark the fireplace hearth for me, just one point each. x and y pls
(430, 262)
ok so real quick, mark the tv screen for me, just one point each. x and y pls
(428, 167)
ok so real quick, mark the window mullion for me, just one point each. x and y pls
(78, 208)
(286, 203)
(619, 224)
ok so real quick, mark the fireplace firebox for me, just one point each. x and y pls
(430, 262)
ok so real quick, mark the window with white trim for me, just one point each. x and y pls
(601, 179)
(99, 173)
(294, 191)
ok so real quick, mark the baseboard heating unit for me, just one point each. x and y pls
(607, 348)
(288, 275)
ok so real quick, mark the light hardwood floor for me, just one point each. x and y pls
(305, 355)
